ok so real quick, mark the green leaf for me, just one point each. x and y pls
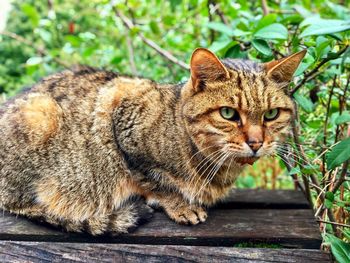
(328, 203)
(339, 154)
(322, 46)
(75, 41)
(32, 14)
(265, 21)
(304, 102)
(344, 118)
(235, 52)
(325, 26)
(220, 45)
(294, 170)
(329, 196)
(222, 28)
(174, 3)
(273, 31)
(262, 46)
(304, 65)
(116, 60)
(340, 249)
(307, 169)
(249, 181)
(154, 27)
(34, 61)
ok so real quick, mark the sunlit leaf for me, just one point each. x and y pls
(34, 61)
(219, 45)
(325, 26)
(154, 27)
(221, 27)
(339, 154)
(273, 31)
(265, 21)
(32, 13)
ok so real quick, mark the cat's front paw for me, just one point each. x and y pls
(187, 215)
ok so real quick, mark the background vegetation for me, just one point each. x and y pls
(155, 39)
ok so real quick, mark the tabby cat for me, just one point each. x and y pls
(77, 146)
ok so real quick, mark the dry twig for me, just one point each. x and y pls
(333, 223)
(40, 50)
(265, 7)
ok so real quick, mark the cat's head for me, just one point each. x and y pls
(238, 107)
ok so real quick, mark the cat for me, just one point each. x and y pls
(79, 145)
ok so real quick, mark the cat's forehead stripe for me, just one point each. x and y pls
(242, 65)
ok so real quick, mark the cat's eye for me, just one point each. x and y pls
(229, 114)
(271, 115)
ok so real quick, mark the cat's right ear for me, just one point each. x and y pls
(282, 70)
(205, 66)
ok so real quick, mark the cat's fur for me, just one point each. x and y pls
(80, 143)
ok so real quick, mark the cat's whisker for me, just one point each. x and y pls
(204, 161)
(233, 156)
(195, 154)
(213, 163)
(213, 173)
(296, 158)
(298, 162)
(197, 174)
(290, 153)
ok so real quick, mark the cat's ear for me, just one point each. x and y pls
(205, 66)
(282, 70)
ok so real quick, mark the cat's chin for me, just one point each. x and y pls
(246, 160)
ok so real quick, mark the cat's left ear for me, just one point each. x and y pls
(205, 66)
(282, 70)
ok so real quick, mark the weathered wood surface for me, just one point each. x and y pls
(292, 228)
(289, 228)
(87, 252)
(276, 199)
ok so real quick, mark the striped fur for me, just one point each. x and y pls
(79, 145)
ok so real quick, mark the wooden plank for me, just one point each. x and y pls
(271, 199)
(87, 252)
(290, 228)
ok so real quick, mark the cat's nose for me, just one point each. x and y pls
(254, 145)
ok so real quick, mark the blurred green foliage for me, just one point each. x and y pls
(43, 37)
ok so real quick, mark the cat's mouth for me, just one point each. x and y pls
(246, 160)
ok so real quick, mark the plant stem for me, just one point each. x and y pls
(333, 223)
(324, 176)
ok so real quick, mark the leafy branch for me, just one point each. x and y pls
(130, 26)
(40, 50)
(313, 73)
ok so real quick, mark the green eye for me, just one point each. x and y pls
(271, 115)
(229, 114)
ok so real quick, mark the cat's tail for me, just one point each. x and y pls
(123, 220)
(129, 216)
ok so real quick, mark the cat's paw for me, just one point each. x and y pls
(188, 215)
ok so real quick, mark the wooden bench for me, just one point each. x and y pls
(251, 225)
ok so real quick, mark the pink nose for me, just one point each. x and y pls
(254, 145)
